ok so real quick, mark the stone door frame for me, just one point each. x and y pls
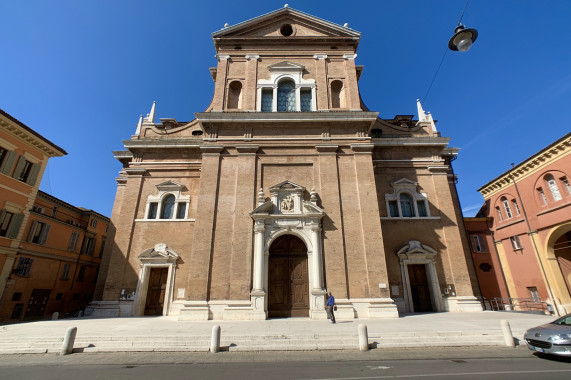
(158, 257)
(416, 253)
(296, 217)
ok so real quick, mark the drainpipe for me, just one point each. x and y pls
(530, 233)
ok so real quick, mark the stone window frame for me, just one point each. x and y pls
(282, 72)
(410, 188)
(164, 190)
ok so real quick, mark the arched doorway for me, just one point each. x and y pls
(562, 251)
(288, 282)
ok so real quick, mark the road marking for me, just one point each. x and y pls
(379, 367)
(444, 374)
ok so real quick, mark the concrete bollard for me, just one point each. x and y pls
(363, 338)
(215, 340)
(68, 341)
(508, 336)
(55, 316)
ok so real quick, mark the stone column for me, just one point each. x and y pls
(321, 81)
(317, 274)
(249, 92)
(259, 230)
(220, 85)
(352, 89)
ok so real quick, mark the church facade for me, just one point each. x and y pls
(284, 188)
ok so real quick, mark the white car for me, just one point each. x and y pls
(552, 338)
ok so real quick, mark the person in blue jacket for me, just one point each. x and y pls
(329, 307)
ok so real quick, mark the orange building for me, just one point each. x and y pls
(50, 251)
(529, 208)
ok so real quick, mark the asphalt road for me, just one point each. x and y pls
(410, 364)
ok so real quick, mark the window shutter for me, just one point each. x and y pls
(73, 241)
(33, 176)
(32, 229)
(15, 226)
(8, 162)
(44, 233)
(19, 167)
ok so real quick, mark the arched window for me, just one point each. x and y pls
(168, 207)
(337, 94)
(507, 207)
(553, 187)
(234, 95)
(406, 206)
(286, 96)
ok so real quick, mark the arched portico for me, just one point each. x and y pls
(287, 214)
(558, 254)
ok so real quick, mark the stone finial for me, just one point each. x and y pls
(261, 198)
(346, 25)
(424, 117)
(313, 196)
(139, 125)
(286, 5)
(151, 115)
(226, 25)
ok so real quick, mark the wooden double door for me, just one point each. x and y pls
(288, 281)
(419, 288)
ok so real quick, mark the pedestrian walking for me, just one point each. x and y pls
(330, 306)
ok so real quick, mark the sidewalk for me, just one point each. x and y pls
(167, 334)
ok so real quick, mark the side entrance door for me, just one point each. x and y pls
(156, 291)
(419, 288)
(37, 305)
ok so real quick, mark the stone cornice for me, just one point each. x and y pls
(412, 141)
(162, 143)
(559, 149)
(285, 117)
(28, 136)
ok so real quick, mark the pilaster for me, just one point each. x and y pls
(352, 92)
(249, 94)
(370, 221)
(220, 86)
(206, 201)
(321, 81)
(130, 194)
(333, 246)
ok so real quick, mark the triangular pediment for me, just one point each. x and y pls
(286, 66)
(404, 182)
(286, 185)
(270, 24)
(170, 186)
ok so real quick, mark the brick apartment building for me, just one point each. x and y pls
(284, 188)
(528, 214)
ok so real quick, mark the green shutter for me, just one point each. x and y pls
(8, 163)
(33, 176)
(44, 234)
(19, 167)
(15, 226)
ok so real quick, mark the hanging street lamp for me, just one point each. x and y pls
(463, 38)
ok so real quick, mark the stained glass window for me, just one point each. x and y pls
(305, 100)
(267, 100)
(286, 96)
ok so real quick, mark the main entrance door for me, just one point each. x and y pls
(156, 292)
(419, 288)
(288, 281)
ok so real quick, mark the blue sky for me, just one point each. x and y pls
(81, 72)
